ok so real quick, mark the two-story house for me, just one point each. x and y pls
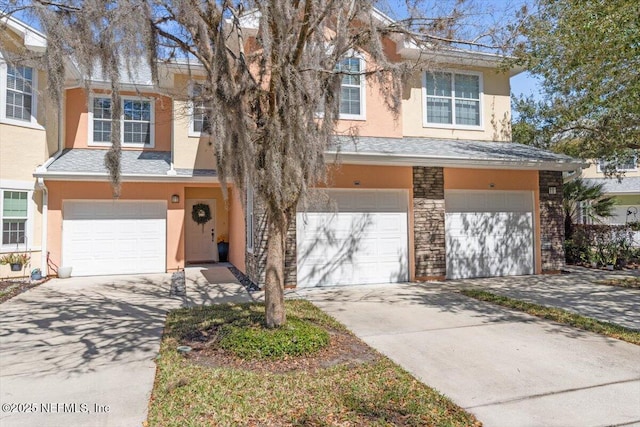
(28, 128)
(438, 193)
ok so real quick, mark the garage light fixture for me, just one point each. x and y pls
(175, 198)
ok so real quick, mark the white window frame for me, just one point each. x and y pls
(192, 132)
(599, 168)
(24, 188)
(33, 123)
(249, 225)
(454, 125)
(152, 122)
(363, 90)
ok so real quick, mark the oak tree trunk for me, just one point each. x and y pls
(274, 280)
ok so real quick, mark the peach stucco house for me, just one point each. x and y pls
(438, 193)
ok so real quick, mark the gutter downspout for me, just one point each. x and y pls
(44, 257)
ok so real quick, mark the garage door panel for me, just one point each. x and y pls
(359, 241)
(114, 237)
(482, 241)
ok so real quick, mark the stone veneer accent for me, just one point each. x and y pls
(551, 221)
(256, 262)
(428, 223)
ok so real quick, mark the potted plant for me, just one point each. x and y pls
(15, 260)
(223, 248)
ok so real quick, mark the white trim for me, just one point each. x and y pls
(31, 124)
(384, 159)
(100, 176)
(152, 122)
(12, 184)
(452, 73)
(363, 90)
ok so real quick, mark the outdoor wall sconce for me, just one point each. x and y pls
(492, 185)
(356, 183)
(552, 190)
(175, 198)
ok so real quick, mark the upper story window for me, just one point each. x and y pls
(352, 94)
(452, 100)
(628, 164)
(18, 95)
(136, 122)
(200, 122)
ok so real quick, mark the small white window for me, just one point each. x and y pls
(352, 89)
(249, 224)
(18, 95)
(14, 218)
(136, 122)
(628, 164)
(200, 123)
(452, 100)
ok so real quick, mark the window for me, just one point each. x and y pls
(136, 121)
(249, 224)
(452, 99)
(199, 113)
(14, 217)
(352, 89)
(102, 120)
(627, 164)
(18, 95)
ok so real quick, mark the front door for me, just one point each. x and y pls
(201, 244)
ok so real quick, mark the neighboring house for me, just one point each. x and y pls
(625, 189)
(24, 143)
(437, 193)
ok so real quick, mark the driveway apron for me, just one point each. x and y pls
(81, 351)
(507, 368)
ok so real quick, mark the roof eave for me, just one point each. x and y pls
(385, 159)
(103, 177)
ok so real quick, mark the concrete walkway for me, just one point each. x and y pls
(83, 349)
(508, 368)
(575, 291)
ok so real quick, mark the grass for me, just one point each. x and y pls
(624, 282)
(558, 315)
(375, 393)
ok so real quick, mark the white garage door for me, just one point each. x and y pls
(489, 233)
(358, 237)
(114, 237)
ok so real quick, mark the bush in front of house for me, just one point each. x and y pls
(296, 338)
(600, 245)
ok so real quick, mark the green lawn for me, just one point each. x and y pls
(190, 391)
(558, 315)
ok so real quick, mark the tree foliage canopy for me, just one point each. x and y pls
(587, 54)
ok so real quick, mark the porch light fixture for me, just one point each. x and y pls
(552, 190)
(175, 198)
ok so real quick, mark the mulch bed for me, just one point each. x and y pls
(13, 287)
(344, 348)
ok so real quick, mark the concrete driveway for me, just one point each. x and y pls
(83, 349)
(508, 368)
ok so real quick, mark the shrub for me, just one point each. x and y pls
(296, 338)
(604, 244)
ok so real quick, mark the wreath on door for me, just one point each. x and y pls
(201, 214)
